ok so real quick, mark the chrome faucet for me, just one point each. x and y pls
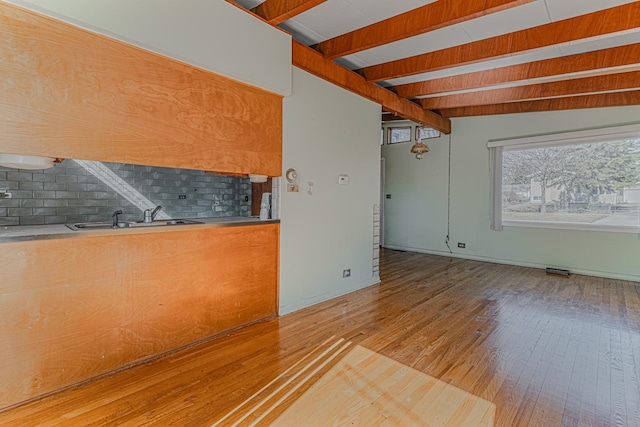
(114, 218)
(150, 215)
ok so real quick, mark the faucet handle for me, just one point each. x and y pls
(114, 217)
(155, 212)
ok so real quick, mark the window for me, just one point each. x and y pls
(399, 134)
(579, 180)
(423, 132)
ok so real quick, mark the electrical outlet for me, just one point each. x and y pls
(346, 273)
(462, 245)
(182, 196)
(5, 195)
(246, 198)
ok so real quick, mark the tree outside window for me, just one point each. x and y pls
(586, 183)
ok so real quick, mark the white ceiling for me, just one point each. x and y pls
(336, 17)
(536, 55)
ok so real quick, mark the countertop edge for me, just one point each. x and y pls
(164, 229)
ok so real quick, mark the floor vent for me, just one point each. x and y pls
(558, 271)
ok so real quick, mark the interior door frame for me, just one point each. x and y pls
(383, 181)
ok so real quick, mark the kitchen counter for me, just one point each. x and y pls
(77, 308)
(60, 231)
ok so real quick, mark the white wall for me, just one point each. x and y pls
(327, 131)
(416, 215)
(418, 196)
(210, 34)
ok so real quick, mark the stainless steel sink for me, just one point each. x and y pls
(90, 226)
(159, 223)
(80, 226)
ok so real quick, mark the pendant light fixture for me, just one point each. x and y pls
(419, 148)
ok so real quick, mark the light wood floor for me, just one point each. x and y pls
(545, 350)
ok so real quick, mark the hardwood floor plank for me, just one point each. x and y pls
(544, 350)
(589, 393)
(618, 405)
(603, 384)
(631, 352)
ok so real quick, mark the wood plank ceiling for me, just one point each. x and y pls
(429, 60)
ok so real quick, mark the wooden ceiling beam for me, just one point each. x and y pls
(586, 85)
(608, 21)
(421, 20)
(616, 99)
(605, 60)
(392, 118)
(277, 11)
(316, 64)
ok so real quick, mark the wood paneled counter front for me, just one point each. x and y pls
(75, 308)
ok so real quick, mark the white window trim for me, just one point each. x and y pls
(495, 192)
(566, 138)
(571, 226)
(629, 131)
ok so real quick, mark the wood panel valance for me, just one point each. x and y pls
(70, 93)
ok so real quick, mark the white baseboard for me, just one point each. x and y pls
(299, 305)
(596, 273)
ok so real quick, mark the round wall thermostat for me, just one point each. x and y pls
(291, 175)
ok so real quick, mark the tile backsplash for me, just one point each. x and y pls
(80, 191)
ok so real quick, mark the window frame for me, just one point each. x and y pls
(390, 130)
(599, 135)
(419, 128)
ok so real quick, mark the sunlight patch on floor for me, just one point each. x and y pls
(333, 386)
